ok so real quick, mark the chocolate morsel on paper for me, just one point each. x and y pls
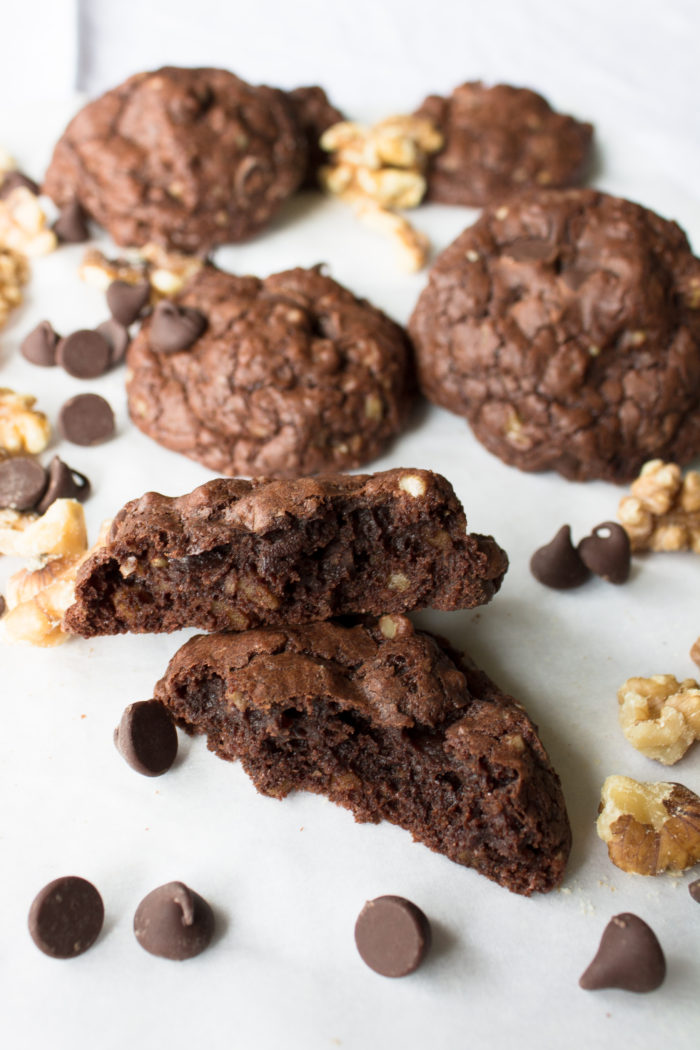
(146, 737)
(63, 483)
(126, 301)
(174, 327)
(117, 338)
(558, 564)
(71, 225)
(174, 922)
(606, 552)
(66, 917)
(84, 354)
(22, 482)
(14, 179)
(392, 936)
(694, 890)
(39, 347)
(629, 957)
(86, 419)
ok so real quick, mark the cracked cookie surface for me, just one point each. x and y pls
(565, 326)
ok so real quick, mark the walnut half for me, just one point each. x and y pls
(662, 512)
(649, 828)
(660, 716)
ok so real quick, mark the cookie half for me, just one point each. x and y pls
(235, 554)
(186, 158)
(565, 326)
(292, 375)
(502, 140)
(379, 718)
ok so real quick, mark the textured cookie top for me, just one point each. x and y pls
(238, 554)
(292, 375)
(188, 158)
(566, 328)
(500, 140)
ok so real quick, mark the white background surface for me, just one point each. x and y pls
(288, 879)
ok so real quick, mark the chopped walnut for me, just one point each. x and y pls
(380, 169)
(662, 512)
(695, 651)
(37, 599)
(22, 427)
(649, 828)
(14, 272)
(59, 532)
(7, 162)
(660, 716)
(167, 272)
(23, 224)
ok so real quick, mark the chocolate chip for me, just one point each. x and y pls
(22, 482)
(629, 957)
(126, 301)
(66, 917)
(174, 327)
(558, 564)
(694, 890)
(13, 179)
(39, 347)
(71, 225)
(84, 354)
(392, 936)
(147, 738)
(606, 552)
(174, 922)
(117, 338)
(2, 605)
(86, 420)
(63, 483)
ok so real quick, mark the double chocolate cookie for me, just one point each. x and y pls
(565, 326)
(236, 554)
(386, 722)
(188, 158)
(501, 140)
(291, 375)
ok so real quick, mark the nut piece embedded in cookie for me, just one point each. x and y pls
(662, 512)
(649, 828)
(660, 716)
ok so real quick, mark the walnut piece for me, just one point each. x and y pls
(7, 162)
(380, 169)
(167, 272)
(23, 224)
(649, 828)
(22, 427)
(695, 651)
(660, 716)
(60, 531)
(662, 512)
(14, 272)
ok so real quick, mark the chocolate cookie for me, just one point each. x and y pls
(188, 158)
(501, 140)
(235, 554)
(565, 326)
(292, 375)
(314, 114)
(379, 718)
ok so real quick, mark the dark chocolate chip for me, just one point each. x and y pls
(13, 179)
(146, 737)
(606, 552)
(629, 957)
(64, 483)
(39, 346)
(22, 482)
(174, 922)
(71, 225)
(558, 564)
(392, 936)
(175, 328)
(84, 354)
(694, 890)
(127, 301)
(66, 917)
(3, 605)
(86, 419)
(117, 338)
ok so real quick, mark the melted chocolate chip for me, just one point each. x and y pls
(39, 347)
(71, 225)
(558, 564)
(63, 483)
(174, 327)
(22, 482)
(84, 354)
(147, 738)
(66, 917)
(629, 957)
(606, 552)
(127, 301)
(174, 922)
(86, 420)
(392, 936)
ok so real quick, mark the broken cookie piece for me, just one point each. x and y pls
(236, 554)
(384, 721)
